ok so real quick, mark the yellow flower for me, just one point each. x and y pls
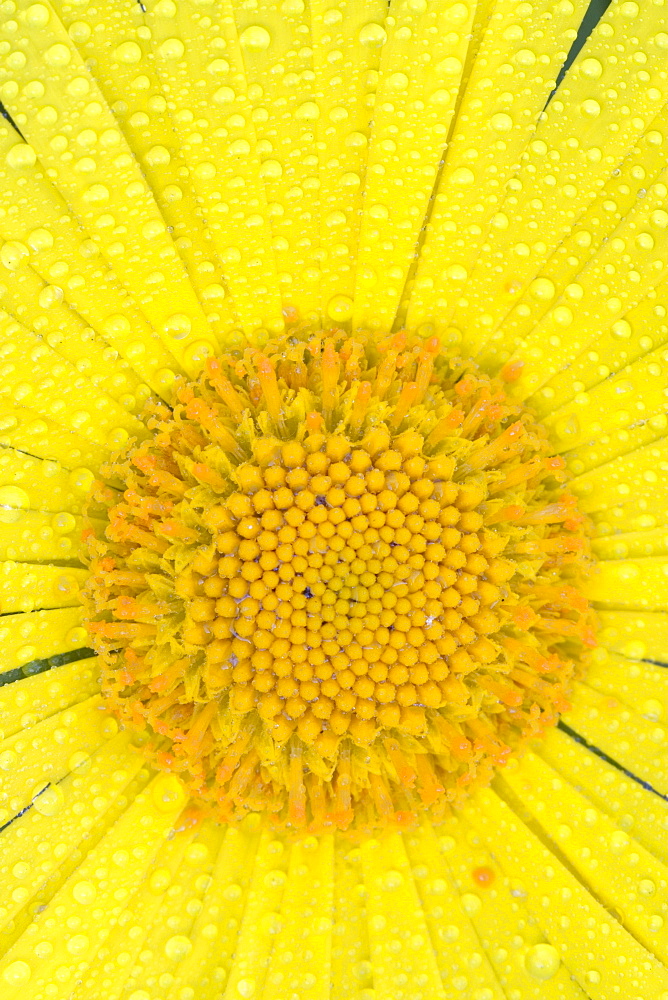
(241, 214)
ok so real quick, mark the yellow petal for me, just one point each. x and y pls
(626, 583)
(634, 742)
(207, 75)
(26, 586)
(35, 698)
(420, 71)
(37, 635)
(599, 953)
(53, 951)
(609, 789)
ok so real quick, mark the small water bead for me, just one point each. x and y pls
(34, 90)
(462, 176)
(8, 759)
(84, 892)
(340, 308)
(591, 68)
(171, 48)
(37, 15)
(246, 988)
(590, 108)
(17, 974)
(167, 793)
(48, 801)
(58, 55)
(128, 52)
(21, 156)
(501, 122)
(372, 35)
(255, 38)
(16, 61)
(178, 947)
(177, 326)
(470, 903)
(542, 961)
(14, 497)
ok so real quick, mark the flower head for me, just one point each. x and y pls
(342, 582)
(338, 333)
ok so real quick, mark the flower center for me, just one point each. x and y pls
(339, 581)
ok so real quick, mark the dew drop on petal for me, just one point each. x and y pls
(372, 35)
(591, 68)
(167, 792)
(177, 326)
(58, 55)
(178, 947)
(255, 38)
(37, 15)
(340, 308)
(171, 48)
(17, 974)
(48, 802)
(542, 961)
(21, 155)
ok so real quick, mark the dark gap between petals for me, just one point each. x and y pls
(5, 114)
(593, 15)
(41, 666)
(609, 760)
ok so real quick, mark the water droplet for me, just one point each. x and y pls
(58, 55)
(275, 878)
(462, 175)
(629, 10)
(178, 947)
(165, 8)
(372, 35)
(308, 111)
(501, 122)
(590, 108)
(17, 974)
(340, 308)
(255, 38)
(392, 880)
(171, 48)
(470, 903)
(40, 239)
(96, 194)
(8, 759)
(128, 52)
(196, 354)
(12, 253)
(619, 841)
(159, 880)
(168, 793)
(542, 961)
(177, 326)
(37, 15)
(49, 801)
(397, 81)
(13, 501)
(622, 329)
(271, 169)
(84, 892)
(456, 272)
(591, 68)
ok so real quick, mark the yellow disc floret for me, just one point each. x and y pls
(339, 581)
